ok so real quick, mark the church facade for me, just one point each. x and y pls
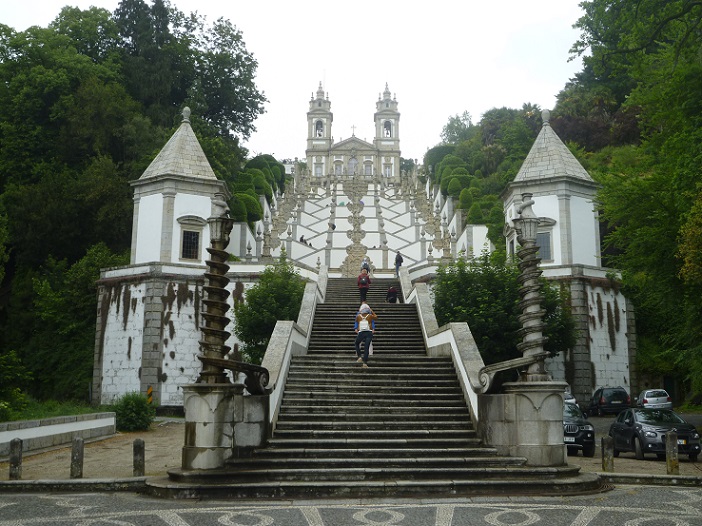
(353, 156)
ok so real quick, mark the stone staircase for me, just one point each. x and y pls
(400, 428)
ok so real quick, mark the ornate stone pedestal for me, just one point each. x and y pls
(526, 421)
(209, 424)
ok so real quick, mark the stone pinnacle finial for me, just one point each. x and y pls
(186, 114)
(545, 116)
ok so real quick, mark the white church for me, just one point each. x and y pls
(352, 201)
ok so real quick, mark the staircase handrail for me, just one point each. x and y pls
(291, 338)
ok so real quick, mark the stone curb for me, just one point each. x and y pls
(132, 484)
(650, 480)
(138, 484)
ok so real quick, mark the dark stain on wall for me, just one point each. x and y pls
(129, 348)
(126, 301)
(617, 317)
(198, 295)
(171, 329)
(600, 312)
(165, 342)
(184, 294)
(611, 329)
(172, 355)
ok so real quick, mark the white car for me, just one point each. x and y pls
(655, 399)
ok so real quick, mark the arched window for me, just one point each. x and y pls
(353, 163)
(387, 129)
(319, 129)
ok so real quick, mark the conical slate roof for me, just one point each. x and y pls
(182, 155)
(549, 157)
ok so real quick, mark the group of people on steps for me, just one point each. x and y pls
(364, 324)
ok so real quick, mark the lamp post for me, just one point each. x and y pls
(214, 336)
(532, 343)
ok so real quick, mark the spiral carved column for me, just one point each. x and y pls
(530, 291)
(212, 344)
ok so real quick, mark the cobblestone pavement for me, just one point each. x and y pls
(625, 506)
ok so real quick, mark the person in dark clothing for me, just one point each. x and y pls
(398, 263)
(363, 282)
(391, 296)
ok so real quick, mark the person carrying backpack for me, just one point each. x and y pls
(365, 264)
(364, 326)
(398, 263)
(363, 282)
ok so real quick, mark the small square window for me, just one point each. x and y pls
(543, 241)
(191, 245)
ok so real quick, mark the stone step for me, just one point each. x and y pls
(423, 418)
(557, 481)
(362, 425)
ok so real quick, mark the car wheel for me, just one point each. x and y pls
(589, 451)
(572, 451)
(637, 449)
(615, 453)
(661, 456)
(693, 457)
(599, 412)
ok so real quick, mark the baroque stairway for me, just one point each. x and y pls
(399, 428)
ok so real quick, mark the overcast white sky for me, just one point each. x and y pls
(439, 58)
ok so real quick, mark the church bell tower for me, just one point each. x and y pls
(387, 134)
(319, 129)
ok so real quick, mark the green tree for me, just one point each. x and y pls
(459, 128)
(276, 296)
(485, 294)
(14, 379)
(60, 353)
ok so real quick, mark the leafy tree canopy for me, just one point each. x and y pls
(276, 296)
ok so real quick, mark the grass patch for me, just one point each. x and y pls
(36, 410)
(689, 408)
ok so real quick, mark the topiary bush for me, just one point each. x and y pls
(133, 412)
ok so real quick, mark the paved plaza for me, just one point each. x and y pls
(624, 505)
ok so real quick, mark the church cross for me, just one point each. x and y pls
(353, 130)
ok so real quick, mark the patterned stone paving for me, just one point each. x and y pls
(625, 505)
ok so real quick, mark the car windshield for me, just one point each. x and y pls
(572, 410)
(658, 416)
(656, 394)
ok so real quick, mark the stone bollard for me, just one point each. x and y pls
(16, 459)
(671, 453)
(139, 458)
(607, 454)
(77, 458)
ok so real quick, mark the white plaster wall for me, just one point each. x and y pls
(608, 338)
(608, 351)
(180, 347)
(480, 240)
(194, 205)
(122, 343)
(148, 238)
(585, 236)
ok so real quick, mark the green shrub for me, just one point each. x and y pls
(133, 412)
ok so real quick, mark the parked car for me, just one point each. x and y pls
(608, 400)
(578, 433)
(654, 399)
(643, 430)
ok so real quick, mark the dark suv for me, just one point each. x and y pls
(609, 400)
(578, 433)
